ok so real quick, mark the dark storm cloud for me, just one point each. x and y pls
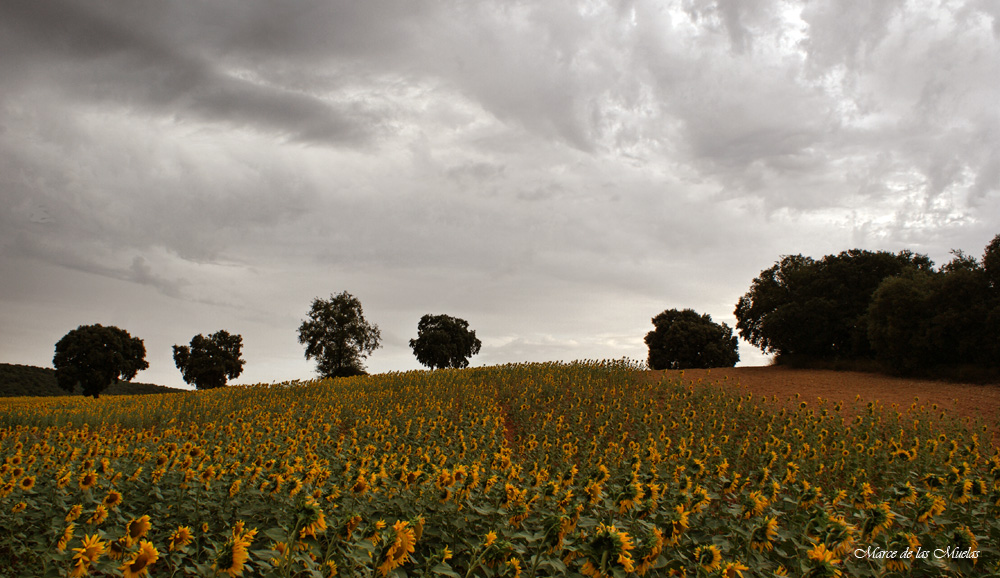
(86, 51)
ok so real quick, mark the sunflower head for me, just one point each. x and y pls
(232, 558)
(138, 565)
(399, 549)
(88, 480)
(180, 538)
(113, 499)
(708, 557)
(137, 528)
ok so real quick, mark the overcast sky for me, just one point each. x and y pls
(554, 172)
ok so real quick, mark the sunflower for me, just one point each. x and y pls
(181, 537)
(963, 488)
(654, 545)
(141, 560)
(763, 535)
(900, 542)
(350, 526)
(733, 569)
(282, 549)
(754, 504)
(314, 520)
(67, 535)
(232, 558)
(708, 557)
(136, 529)
(19, 507)
(74, 513)
(929, 505)
(399, 551)
(963, 538)
(113, 499)
(825, 562)
(100, 514)
(87, 556)
(810, 494)
(88, 480)
(512, 567)
(27, 482)
(491, 537)
(876, 519)
(677, 522)
(360, 485)
(116, 549)
(700, 499)
(611, 545)
(836, 530)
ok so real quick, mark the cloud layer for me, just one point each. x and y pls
(556, 173)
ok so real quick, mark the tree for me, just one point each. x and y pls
(991, 263)
(899, 322)
(444, 341)
(924, 320)
(210, 361)
(684, 339)
(801, 306)
(338, 337)
(94, 357)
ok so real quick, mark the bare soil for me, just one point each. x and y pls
(964, 400)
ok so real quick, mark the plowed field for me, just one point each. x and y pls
(961, 399)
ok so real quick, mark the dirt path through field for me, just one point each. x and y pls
(961, 399)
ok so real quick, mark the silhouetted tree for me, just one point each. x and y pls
(991, 263)
(924, 320)
(899, 321)
(684, 339)
(819, 308)
(95, 356)
(210, 361)
(338, 337)
(444, 341)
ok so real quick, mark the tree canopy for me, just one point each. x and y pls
(95, 356)
(924, 320)
(893, 308)
(210, 361)
(337, 335)
(444, 341)
(683, 339)
(801, 306)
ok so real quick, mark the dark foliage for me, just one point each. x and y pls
(921, 322)
(684, 339)
(991, 263)
(93, 357)
(819, 309)
(210, 361)
(338, 337)
(31, 381)
(444, 341)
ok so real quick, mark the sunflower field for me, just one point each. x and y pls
(582, 469)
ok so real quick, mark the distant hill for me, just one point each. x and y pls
(28, 380)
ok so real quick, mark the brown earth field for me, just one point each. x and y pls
(968, 401)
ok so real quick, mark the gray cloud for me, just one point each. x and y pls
(556, 172)
(90, 51)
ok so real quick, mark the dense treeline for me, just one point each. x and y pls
(894, 309)
(28, 380)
